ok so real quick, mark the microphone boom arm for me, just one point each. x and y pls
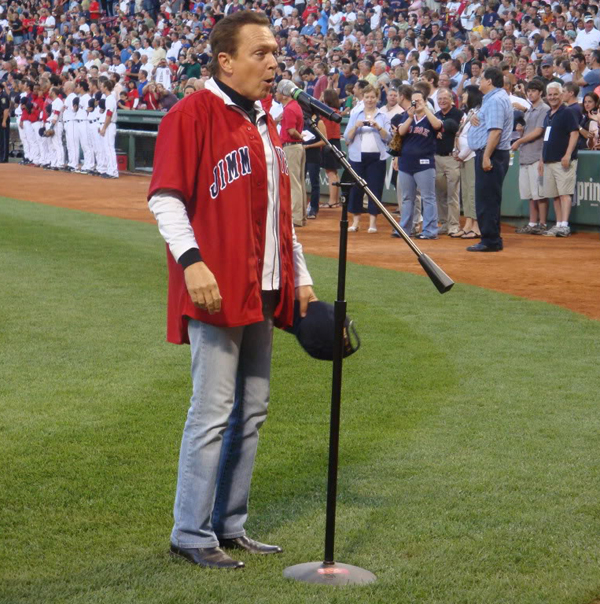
(439, 278)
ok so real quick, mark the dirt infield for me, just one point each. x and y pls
(559, 271)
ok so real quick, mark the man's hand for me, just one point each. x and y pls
(565, 162)
(305, 294)
(486, 164)
(516, 144)
(475, 120)
(202, 287)
(102, 131)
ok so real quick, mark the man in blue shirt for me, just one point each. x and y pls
(489, 137)
(558, 165)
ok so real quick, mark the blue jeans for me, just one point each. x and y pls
(231, 369)
(314, 174)
(372, 169)
(425, 182)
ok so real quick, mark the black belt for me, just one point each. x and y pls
(444, 154)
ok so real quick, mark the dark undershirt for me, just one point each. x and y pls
(193, 255)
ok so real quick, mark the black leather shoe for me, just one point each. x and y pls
(481, 247)
(249, 545)
(208, 557)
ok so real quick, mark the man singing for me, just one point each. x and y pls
(220, 193)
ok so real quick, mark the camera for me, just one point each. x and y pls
(413, 103)
(368, 123)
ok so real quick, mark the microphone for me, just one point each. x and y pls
(288, 88)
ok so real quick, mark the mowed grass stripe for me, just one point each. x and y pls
(469, 449)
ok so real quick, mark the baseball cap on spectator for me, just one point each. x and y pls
(588, 18)
(395, 62)
(571, 34)
(547, 62)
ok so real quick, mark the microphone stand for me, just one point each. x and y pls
(329, 571)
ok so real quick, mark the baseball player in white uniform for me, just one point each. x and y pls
(108, 131)
(56, 123)
(81, 128)
(70, 126)
(92, 131)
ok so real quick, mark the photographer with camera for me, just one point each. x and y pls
(419, 127)
(366, 134)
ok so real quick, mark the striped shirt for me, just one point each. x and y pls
(496, 113)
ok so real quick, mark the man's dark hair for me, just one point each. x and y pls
(405, 91)
(572, 88)
(432, 76)
(84, 86)
(423, 87)
(362, 84)
(495, 76)
(535, 85)
(225, 34)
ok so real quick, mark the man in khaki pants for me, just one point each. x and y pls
(447, 168)
(292, 125)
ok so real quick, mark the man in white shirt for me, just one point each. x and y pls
(349, 14)
(69, 121)
(56, 124)
(108, 131)
(589, 37)
(162, 75)
(81, 126)
(176, 44)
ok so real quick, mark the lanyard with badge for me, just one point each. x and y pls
(549, 127)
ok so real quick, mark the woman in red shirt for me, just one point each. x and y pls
(329, 162)
(133, 97)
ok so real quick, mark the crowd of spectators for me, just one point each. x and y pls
(155, 52)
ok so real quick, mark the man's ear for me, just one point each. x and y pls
(225, 61)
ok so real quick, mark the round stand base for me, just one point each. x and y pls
(330, 574)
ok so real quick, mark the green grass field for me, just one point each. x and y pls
(470, 449)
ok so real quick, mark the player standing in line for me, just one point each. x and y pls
(108, 131)
(56, 124)
(92, 131)
(81, 132)
(69, 125)
(46, 141)
(100, 111)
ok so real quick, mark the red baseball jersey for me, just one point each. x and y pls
(214, 158)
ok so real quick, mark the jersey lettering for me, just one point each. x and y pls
(283, 165)
(233, 172)
(221, 165)
(245, 160)
(235, 164)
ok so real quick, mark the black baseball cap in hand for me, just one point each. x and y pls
(315, 331)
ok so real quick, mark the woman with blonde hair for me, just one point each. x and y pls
(366, 135)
